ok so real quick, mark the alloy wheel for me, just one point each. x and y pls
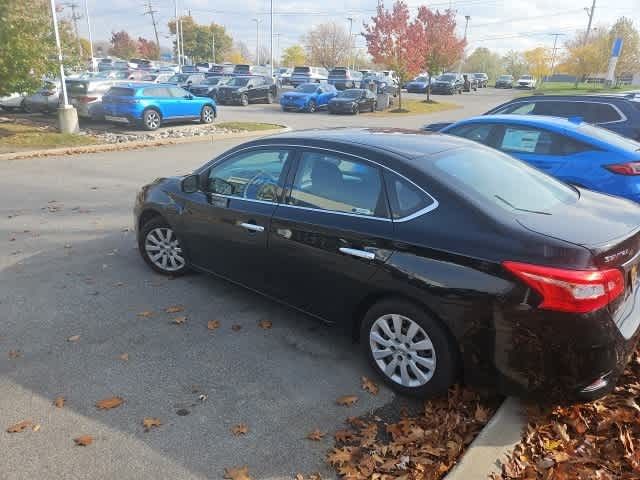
(163, 249)
(207, 115)
(312, 106)
(402, 350)
(152, 120)
(244, 100)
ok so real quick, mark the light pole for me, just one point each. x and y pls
(466, 26)
(175, 6)
(257, 20)
(67, 115)
(86, 14)
(213, 44)
(350, 19)
(277, 54)
(271, 37)
(590, 13)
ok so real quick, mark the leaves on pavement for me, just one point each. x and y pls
(369, 386)
(84, 440)
(174, 309)
(124, 357)
(179, 320)
(236, 328)
(150, 422)
(596, 440)
(347, 400)
(213, 324)
(265, 324)
(20, 426)
(59, 401)
(316, 435)
(73, 338)
(240, 429)
(145, 314)
(109, 403)
(237, 473)
(15, 353)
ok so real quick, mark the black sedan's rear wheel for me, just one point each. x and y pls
(160, 247)
(410, 349)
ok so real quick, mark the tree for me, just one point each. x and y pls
(539, 61)
(583, 59)
(629, 60)
(393, 41)
(438, 47)
(328, 45)
(198, 39)
(27, 49)
(484, 60)
(122, 45)
(148, 49)
(236, 57)
(294, 56)
(514, 64)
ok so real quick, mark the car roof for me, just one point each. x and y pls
(409, 144)
(533, 120)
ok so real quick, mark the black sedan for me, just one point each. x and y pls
(413, 242)
(354, 101)
(209, 88)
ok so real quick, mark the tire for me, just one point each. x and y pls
(269, 98)
(312, 106)
(437, 366)
(27, 107)
(151, 119)
(356, 109)
(373, 107)
(244, 100)
(207, 115)
(153, 236)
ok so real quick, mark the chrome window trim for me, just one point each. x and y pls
(432, 206)
(623, 117)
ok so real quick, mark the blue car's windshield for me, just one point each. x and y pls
(307, 87)
(609, 137)
(421, 79)
(179, 78)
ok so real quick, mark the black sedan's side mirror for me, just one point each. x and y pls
(190, 183)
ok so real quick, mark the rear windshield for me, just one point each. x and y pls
(525, 77)
(77, 87)
(505, 77)
(301, 70)
(120, 92)
(179, 78)
(502, 180)
(338, 71)
(447, 78)
(610, 137)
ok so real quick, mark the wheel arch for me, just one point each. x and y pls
(147, 215)
(155, 108)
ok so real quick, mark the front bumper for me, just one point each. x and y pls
(293, 104)
(443, 89)
(340, 108)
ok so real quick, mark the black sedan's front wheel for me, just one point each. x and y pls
(409, 348)
(161, 249)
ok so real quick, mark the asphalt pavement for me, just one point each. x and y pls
(69, 267)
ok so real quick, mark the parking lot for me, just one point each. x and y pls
(69, 269)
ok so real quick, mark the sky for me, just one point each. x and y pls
(499, 25)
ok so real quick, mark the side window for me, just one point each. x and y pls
(526, 140)
(256, 175)
(569, 146)
(338, 184)
(404, 197)
(477, 133)
(519, 108)
(178, 92)
(560, 109)
(601, 113)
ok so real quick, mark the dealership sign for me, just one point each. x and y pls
(616, 49)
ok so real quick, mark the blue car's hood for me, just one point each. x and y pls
(301, 95)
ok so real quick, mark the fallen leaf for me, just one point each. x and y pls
(145, 314)
(179, 320)
(109, 403)
(174, 309)
(67, 245)
(481, 414)
(15, 353)
(240, 429)
(59, 401)
(316, 435)
(236, 328)
(20, 426)
(369, 386)
(265, 324)
(36, 427)
(149, 422)
(124, 357)
(213, 324)
(299, 476)
(73, 338)
(347, 400)
(84, 440)
(238, 473)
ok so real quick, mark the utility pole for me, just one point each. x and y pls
(350, 19)
(175, 6)
(466, 26)
(75, 17)
(277, 55)
(213, 44)
(553, 54)
(86, 14)
(271, 37)
(181, 36)
(590, 12)
(257, 20)
(150, 11)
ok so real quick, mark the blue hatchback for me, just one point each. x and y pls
(150, 105)
(573, 151)
(308, 97)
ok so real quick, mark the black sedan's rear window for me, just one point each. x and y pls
(485, 174)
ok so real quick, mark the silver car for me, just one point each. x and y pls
(86, 95)
(12, 102)
(44, 100)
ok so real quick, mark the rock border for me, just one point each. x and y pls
(136, 145)
(498, 438)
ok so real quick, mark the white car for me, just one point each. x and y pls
(526, 81)
(12, 102)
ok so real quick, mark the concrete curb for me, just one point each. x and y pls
(136, 145)
(497, 438)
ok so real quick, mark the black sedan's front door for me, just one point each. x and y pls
(331, 235)
(227, 223)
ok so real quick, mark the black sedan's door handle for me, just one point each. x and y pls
(358, 253)
(252, 227)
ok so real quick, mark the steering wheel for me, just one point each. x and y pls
(256, 183)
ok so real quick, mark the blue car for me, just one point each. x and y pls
(569, 149)
(308, 97)
(418, 85)
(150, 105)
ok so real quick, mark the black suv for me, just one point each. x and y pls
(244, 90)
(613, 112)
(448, 83)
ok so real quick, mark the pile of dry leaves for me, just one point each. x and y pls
(598, 440)
(416, 447)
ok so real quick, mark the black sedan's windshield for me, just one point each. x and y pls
(350, 94)
(215, 81)
(447, 78)
(179, 78)
(238, 82)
